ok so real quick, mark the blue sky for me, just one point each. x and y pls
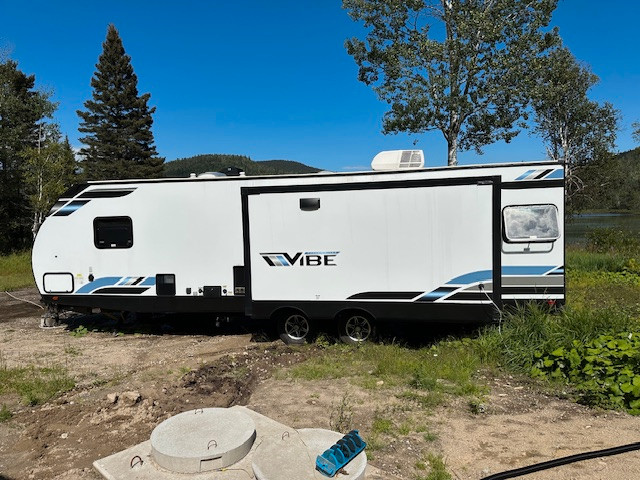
(272, 80)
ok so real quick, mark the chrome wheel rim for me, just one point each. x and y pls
(358, 328)
(296, 327)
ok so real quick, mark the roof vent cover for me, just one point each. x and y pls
(398, 160)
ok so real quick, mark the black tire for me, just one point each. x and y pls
(294, 328)
(356, 328)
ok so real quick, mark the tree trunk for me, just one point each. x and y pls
(452, 151)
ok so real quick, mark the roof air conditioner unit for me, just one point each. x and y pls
(398, 160)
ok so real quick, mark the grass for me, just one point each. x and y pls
(424, 374)
(5, 414)
(436, 466)
(35, 385)
(603, 292)
(532, 329)
(581, 260)
(15, 271)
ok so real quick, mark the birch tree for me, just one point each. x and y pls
(576, 130)
(48, 170)
(459, 66)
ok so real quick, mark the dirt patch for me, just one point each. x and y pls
(133, 375)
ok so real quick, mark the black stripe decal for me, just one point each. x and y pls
(70, 207)
(74, 190)
(532, 290)
(106, 193)
(532, 184)
(138, 281)
(384, 296)
(543, 174)
(121, 290)
(470, 296)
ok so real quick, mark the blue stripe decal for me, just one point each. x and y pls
(525, 175)
(559, 173)
(71, 207)
(123, 282)
(97, 283)
(283, 261)
(436, 294)
(149, 281)
(472, 277)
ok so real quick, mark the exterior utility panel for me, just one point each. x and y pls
(424, 244)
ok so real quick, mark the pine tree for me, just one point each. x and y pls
(117, 121)
(21, 108)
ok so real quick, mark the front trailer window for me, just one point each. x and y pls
(530, 223)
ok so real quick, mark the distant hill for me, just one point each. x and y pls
(183, 167)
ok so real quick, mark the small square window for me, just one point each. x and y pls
(531, 223)
(113, 232)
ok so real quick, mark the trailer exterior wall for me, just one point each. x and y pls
(193, 229)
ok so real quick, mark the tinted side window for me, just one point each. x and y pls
(113, 232)
(531, 223)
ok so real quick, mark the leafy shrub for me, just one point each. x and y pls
(603, 240)
(606, 370)
(80, 331)
(531, 329)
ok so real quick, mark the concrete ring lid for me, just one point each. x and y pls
(290, 457)
(202, 440)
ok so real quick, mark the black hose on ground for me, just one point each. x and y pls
(563, 461)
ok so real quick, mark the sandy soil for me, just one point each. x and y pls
(130, 377)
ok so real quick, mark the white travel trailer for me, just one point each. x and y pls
(401, 242)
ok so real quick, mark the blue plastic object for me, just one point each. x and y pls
(340, 453)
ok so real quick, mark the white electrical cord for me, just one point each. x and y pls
(24, 300)
(481, 287)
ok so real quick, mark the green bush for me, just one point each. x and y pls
(531, 329)
(604, 240)
(605, 370)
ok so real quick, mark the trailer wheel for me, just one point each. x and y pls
(355, 328)
(294, 328)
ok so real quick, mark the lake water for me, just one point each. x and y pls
(577, 228)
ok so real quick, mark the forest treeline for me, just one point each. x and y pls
(611, 184)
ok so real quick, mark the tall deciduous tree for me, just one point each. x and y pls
(49, 168)
(21, 108)
(636, 131)
(575, 130)
(117, 121)
(458, 66)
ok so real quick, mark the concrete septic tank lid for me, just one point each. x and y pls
(293, 456)
(202, 440)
